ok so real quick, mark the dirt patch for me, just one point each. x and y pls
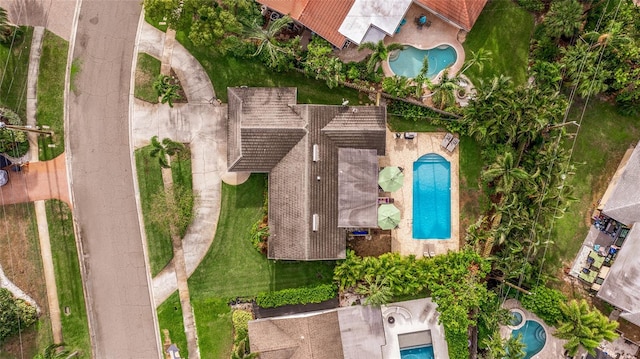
(183, 95)
(22, 264)
(373, 245)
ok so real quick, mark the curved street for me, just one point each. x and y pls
(122, 319)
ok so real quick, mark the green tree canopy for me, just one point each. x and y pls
(583, 327)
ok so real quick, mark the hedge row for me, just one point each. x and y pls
(291, 296)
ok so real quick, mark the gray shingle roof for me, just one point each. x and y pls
(622, 286)
(313, 336)
(624, 203)
(267, 133)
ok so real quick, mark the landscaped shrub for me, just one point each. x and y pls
(15, 314)
(545, 303)
(303, 295)
(240, 319)
(12, 142)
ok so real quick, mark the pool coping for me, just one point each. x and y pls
(453, 69)
(553, 347)
(403, 152)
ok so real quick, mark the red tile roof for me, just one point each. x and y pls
(323, 17)
(464, 13)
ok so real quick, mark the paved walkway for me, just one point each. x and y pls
(198, 123)
(40, 210)
(55, 15)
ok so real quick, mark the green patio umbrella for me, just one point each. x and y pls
(390, 178)
(388, 216)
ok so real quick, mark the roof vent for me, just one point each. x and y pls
(316, 153)
(316, 219)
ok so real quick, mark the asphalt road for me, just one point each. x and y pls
(121, 314)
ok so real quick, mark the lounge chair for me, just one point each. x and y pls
(453, 144)
(447, 138)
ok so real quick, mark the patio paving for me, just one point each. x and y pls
(37, 181)
(553, 347)
(403, 152)
(439, 33)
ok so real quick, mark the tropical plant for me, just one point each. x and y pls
(545, 303)
(241, 351)
(164, 150)
(398, 86)
(6, 28)
(167, 89)
(214, 27)
(379, 52)
(564, 18)
(17, 315)
(267, 43)
(444, 92)
(583, 327)
(504, 173)
(55, 351)
(514, 348)
(376, 290)
(477, 59)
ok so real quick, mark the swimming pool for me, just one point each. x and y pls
(533, 336)
(431, 197)
(423, 352)
(408, 62)
(517, 319)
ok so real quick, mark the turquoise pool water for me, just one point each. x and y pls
(431, 197)
(408, 62)
(517, 319)
(533, 337)
(425, 352)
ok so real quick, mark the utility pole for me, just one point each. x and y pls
(25, 129)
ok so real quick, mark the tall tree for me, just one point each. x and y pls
(267, 43)
(376, 290)
(564, 18)
(379, 52)
(583, 327)
(444, 91)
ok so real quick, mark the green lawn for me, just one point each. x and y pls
(215, 331)
(150, 182)
(473, 200)
(233, 267)
(228, 71)
(503, 28)
(53, 63)
(147, 71)
(13, 72)
(603, 138)
(170, 318)
(75, 329)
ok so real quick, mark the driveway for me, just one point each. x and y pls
(122, 319)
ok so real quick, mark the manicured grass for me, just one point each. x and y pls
(228, 71)
(183, 179)
(503, 28)
(473, 199)
(602, 141)
(14, 65)
(215, 330)
(170, 318)
(402, 124)
(247, 272)
(53, 63)
(150, 182)
(147, 71)
(75, 329)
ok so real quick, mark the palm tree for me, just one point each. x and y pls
(379, 52)
(477, 59)
(506, 172)
(55, 351)
(6, 28)
(583, 327)
(265, 39)
(514, 348)
(564, 18)
(376, 289)
(444, 92)
(165, 150)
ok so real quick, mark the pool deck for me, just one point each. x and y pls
(410, 317)
(553, 347)
(439, 33)
(403, 152)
